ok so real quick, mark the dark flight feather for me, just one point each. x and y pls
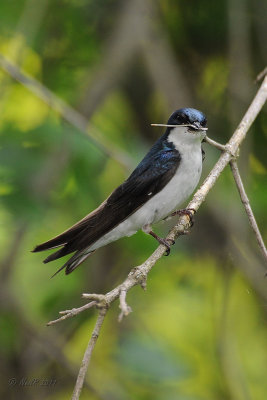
(150, 176)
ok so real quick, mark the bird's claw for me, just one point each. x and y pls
(165, 242)
(168, 243)
(186, 211)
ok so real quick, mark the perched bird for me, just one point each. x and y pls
(162, 181)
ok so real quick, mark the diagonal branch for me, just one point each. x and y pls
(67, 112)
(246, 203)
(138, 275)
(88, 354)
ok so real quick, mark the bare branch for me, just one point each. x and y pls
(88, 354)
(70, 313)
(245, 201)
(261, 75)
(138, 275)
(232, 146)
(125, 309)
(212, 142)
(68, 113)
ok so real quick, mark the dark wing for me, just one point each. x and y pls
(203, 154)
(151, 175)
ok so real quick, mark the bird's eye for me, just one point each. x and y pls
(183, 119)
(179, 119)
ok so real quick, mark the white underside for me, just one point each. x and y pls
(172, 196)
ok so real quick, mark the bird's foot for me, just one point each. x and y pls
(186, 211)
(166, 242)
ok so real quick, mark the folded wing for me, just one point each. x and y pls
(150, 176)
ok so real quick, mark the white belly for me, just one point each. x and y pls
(170, 198)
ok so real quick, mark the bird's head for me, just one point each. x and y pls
(189, 121)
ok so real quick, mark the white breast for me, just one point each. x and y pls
(183, 183)
(173, 195)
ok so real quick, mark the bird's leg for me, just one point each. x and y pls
(186, 211)
(166, 242)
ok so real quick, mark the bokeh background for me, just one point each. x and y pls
(199, 332)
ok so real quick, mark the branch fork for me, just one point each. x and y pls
(227, 148)
(100, 300)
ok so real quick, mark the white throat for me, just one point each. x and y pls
(183, 138)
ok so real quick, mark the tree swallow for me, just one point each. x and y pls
(162, 181)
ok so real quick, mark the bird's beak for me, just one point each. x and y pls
(195, 125)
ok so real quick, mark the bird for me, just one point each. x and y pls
(158, 186)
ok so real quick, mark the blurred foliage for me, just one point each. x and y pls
(199, 332)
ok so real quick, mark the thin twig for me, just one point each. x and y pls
(212, 142)
(72, 312)
(245, 201)
(68, 113)
(88, 354)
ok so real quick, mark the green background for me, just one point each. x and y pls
(199, 331)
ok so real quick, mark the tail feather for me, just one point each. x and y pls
(58, 254)
(58, 241)
(71, 266)
(77, 239)
(73, 262)
(70, 234)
